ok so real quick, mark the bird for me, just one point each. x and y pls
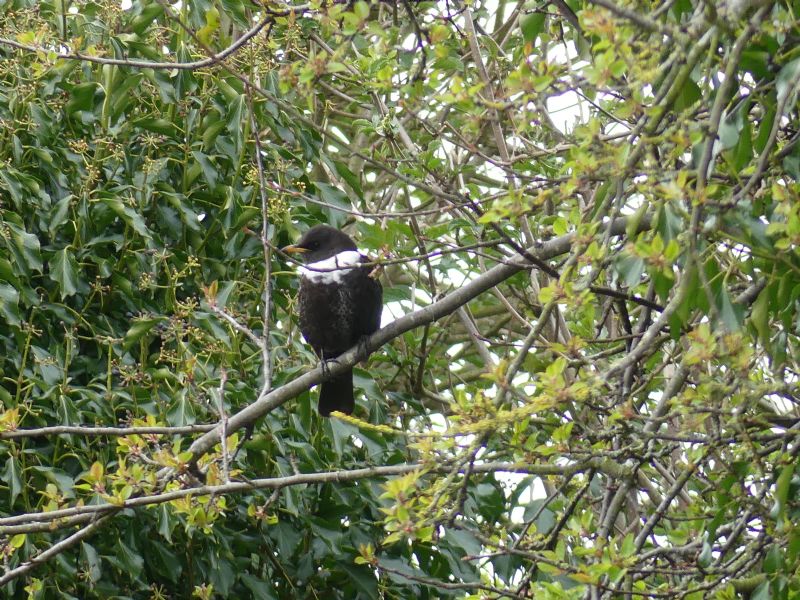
(339, 304)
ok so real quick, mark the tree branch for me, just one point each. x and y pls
(150, 64)
(101, 431)
(548, 468)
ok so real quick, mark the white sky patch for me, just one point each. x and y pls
(616, 128)
(632, 204)
(534, 491)
(567, 110)
(454, 349)
(340, 134)
(391, 312)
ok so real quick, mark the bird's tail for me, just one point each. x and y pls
(337, 394)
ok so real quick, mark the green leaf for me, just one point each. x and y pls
(238, 10)
(774, 559)
(64, 271)
(129, 216)
(164, 560)
(11, 477)
(464, 540)
(256, 587)
(182, 411)
(630, 268)
(782, 487)
(59, 214)
(791, 164)
(138, 329)
(161, 126)
(82, 97)
(762, 592)
(64, 482)
(14, 186)
(531, 26)
(759, 315)
(128, 556)
(25, 248)
(209, 172)
(352, 180)
(92, 562)
(729, 128)
(669, 224)
(765, 126)
(706, 554)
(9, 300)
(744, 148)
(236, 117)
(396, 293)
(336, 199)
(148, 14)
(689, 94)
(732, 315)
(364, 579)
(205, 33)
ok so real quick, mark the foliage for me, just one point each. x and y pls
(619, 416)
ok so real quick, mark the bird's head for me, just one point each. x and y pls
(320, 242)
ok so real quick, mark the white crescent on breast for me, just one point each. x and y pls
(330, 270)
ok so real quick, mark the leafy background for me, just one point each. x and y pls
(619, 418)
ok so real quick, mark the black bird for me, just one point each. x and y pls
(339, 302)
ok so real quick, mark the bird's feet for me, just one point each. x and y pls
(325, 363)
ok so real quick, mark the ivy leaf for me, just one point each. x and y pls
(64, 271)
(139, 328)
(11, 475)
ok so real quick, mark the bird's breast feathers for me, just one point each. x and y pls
(333, 269)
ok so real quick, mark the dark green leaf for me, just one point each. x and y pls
(182, 410)
(9, 299)
(64, 271)
(689, 94)
(11, 477)
(208, 170)
(82, 97)
(139, 328)
(130, 558)
(161, 126)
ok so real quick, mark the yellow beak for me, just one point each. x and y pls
(294, 249)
